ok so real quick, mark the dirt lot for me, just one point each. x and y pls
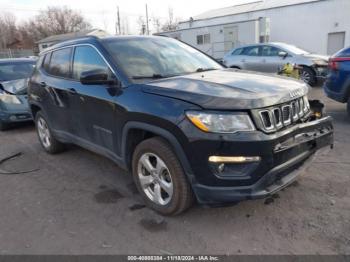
(80, 203)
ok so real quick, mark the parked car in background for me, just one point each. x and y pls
(270, 57)
(14, 74)
(188, 128)
(337, 85)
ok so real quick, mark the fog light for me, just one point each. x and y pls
(233, 159)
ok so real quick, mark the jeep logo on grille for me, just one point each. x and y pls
(296, 93)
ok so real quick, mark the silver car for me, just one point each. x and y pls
(270, 58)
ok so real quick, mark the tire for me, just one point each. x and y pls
(308, 76)
(161, 157)
(3, 126)
(50, 144)
(348, 107)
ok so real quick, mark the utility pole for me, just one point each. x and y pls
(147, 26)
(118, 31)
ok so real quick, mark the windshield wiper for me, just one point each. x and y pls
(154, 76)
(205, 69)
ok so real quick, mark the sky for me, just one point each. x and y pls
(102, 14)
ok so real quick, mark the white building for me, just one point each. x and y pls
(320, 26)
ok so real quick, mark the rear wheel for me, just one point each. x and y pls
(160, 178)
(47, 140)
(348, 106)
(308, 76)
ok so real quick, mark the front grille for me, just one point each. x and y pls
(277, 117)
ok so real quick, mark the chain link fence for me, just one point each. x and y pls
(15, 53)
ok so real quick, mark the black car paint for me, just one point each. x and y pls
(102, 118)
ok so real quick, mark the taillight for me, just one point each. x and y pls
(333, 63)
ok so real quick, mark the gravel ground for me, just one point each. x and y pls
(80, 203)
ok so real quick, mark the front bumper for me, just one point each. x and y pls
(283, 157)
(15, 116)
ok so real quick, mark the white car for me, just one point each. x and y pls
(270, 57)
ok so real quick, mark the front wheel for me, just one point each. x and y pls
(160, 178)
(47, 140)
(348, 106)
(308, 76)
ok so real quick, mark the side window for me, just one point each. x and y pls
(85, 59)
(270, 51)
(237, 51)
(60, 63)
(251, 51)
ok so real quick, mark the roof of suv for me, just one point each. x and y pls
(92, 40)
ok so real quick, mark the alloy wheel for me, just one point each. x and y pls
(305, 76)
(44, 132)
(155, 179)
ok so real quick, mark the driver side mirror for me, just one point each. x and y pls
(96, 77)
(282, 54)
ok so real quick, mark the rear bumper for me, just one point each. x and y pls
(283, 157)
(337, 96)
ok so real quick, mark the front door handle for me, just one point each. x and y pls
(243, 60)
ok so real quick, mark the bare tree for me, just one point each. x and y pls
(8, 29)
(157, 24)
(56, 20)
(172, 22)
(142, 25)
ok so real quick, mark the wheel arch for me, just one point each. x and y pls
(135, 132)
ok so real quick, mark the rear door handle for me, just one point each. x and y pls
(243, 60)
(42, 84)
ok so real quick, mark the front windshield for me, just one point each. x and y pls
(158, 57)
(15, 71)
(294, 49)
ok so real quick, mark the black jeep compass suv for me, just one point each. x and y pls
(188, 128)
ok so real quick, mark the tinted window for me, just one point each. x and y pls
(85, 59)
(251, 51)
(14, 71)
(60, 63)
(270, 51)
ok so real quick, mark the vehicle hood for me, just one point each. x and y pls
(13, 103)
(17, 86)
(317, 59)
(229, 89)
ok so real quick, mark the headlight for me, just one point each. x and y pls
(9, 99)
(221, 122)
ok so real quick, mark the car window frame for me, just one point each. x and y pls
(47, 72)
(71, 60)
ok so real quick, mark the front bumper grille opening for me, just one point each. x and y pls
(277, 117)
(286, 115)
